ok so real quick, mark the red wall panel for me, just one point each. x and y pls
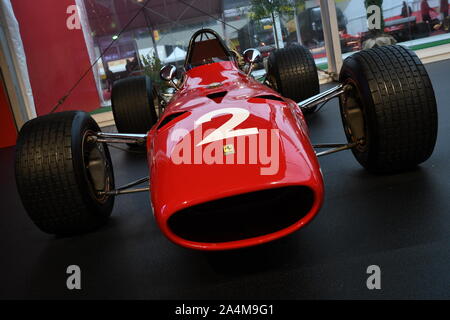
(8, 132)
(56, 56)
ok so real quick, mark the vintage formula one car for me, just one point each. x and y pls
(230, 160)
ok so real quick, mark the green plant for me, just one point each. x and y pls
(264, 8)
(260, 9)
(152, 66)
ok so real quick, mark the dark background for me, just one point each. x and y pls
(399, 222)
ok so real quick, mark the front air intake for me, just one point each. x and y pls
(243, 216)
(218, 96)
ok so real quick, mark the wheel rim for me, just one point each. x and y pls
(98, 169)
(353, 117)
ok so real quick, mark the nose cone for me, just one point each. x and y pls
(226, 150)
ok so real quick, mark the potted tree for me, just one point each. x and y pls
(274, 8)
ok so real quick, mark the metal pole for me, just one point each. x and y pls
(277, 30)
(152, 35)
(274, 30)
(224, 30)
(331, 36)
(155, 47)
(297, 26)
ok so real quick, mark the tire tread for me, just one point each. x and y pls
(46, 177)
(295, 72)
(404, 131)
(132, 105)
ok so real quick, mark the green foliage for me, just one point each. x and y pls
(152, 66)
(263, 8)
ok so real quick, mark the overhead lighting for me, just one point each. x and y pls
(115, 37)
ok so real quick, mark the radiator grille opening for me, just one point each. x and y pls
(270, 97)
(243, 216)
(218, 96)
(169, 118)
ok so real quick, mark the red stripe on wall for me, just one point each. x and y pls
(8, 131)
(56, 56)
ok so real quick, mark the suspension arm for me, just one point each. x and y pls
(333, 148)
(321, 97)
(130, 138)
(126, 188)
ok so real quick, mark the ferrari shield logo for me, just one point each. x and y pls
(228, 149)
(214, 85)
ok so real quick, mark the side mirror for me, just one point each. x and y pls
(168, 73)
(251, 56)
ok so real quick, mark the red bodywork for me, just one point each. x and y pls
(176, 187)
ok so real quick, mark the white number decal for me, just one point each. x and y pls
(226, 130)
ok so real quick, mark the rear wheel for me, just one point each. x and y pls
(134, 104)
(389, 109)
(293, 73)
(62, 174)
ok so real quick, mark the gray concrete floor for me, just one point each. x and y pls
(398, 222)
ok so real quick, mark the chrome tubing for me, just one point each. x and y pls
(334, 148)
(118, 192)
(321, 97)
(134, 183)
(132, 138)
(126, 188)
(328, 145)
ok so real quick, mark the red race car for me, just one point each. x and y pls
(230, 160)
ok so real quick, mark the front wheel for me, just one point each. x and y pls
(134, 103)
(63, 175)
(388, 109)
(292, 72)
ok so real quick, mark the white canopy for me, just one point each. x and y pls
(177, 55)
